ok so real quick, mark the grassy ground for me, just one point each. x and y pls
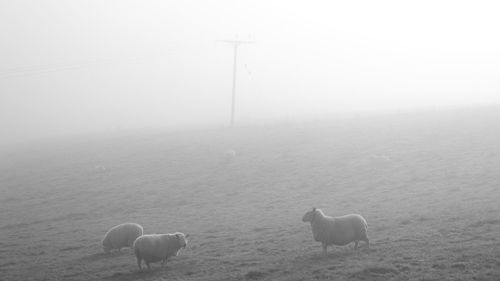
(428, 185)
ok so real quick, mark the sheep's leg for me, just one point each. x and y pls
(367, 243)
(356, 244)
(324, 248)
(149, 267)
(139, 261)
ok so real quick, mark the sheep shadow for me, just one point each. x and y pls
(333, 255)
(103, 256)
(136, 274)
(339, 253)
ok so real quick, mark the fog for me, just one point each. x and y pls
(73, 67)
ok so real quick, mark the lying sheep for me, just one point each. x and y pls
(122, 235)
(158, 247)
(337, 230)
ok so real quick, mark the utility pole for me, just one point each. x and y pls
(235, 44)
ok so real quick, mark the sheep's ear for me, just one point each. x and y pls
(187, 235)
(177, 235)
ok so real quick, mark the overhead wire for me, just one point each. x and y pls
(50, 68)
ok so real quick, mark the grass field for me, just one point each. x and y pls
(427, 183)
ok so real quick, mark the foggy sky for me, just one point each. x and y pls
(95, 66)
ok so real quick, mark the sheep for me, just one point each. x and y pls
(122, 235)
(338, 231)
(229, 156)
(158, 247)
(230, 153)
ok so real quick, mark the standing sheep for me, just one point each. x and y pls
(158, 247)
(337, 230)
(122, 235)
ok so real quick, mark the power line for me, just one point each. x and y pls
(49, 68)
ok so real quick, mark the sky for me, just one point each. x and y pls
(71, 67)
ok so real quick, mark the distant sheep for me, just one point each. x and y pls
(122, 235)
(338, 231)
(229, 153)
(100, 168)
(158, 247)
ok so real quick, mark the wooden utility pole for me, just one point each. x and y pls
(235, 44)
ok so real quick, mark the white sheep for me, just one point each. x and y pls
(158, 247)
(338, 231)
(229, 153)
(122, 235)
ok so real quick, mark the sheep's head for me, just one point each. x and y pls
(106, 246)
(309, 216)
(106, 249)
(182, 239)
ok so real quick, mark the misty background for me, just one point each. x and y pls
(76, 67)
